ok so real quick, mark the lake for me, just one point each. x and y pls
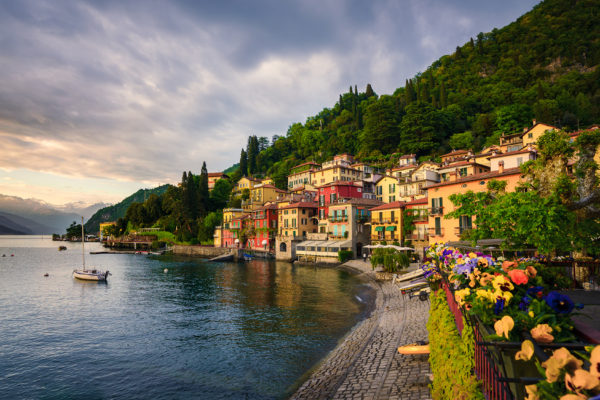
(198, 330)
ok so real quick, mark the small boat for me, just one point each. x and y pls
(248, 257)
(91, 274)
(62, 248)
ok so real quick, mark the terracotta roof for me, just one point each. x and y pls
(386, 176)
(340, 183)
(267, 207)
(455, 152)
(510, 153)
(405, 167)
(359, 201)
(424, 200)
(394, 204)
(268, 185)
(302, 204)
(211, 174)
(461, 163)
(407, 156)
(477, 177)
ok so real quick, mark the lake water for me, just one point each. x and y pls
(200, 330)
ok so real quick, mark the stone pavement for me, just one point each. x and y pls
(367, 365)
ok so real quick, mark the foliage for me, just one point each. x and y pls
(391, 259)
(344, 255)
(451, 358)
(73, 231)
(553, 212)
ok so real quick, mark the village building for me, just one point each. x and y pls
(386, 222)
(302, 175)
(415, 185)
(213, 177)
(296, 221)
(386, 189)
(264, 221)
(517, 141)
(245, 182)
(418, 238)
(226, 234)
(332, 192)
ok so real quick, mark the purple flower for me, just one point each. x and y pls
(559, 302)
(462, 269)
(499, 306)
(525, 301)
(536, 291)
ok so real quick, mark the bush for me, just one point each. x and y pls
(391, 259)
(344, 255)
(451, 357)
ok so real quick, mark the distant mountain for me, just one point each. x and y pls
(11, 224)
(81, 208)
(116, 211)
(48, 219)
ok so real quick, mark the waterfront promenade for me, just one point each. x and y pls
(367, 365)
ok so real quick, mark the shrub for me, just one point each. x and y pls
(451, 357)
(344, 255)
(391, 259)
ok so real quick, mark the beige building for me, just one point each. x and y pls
(386, 222)
(336, 174)
(386, 189)
(297, 219)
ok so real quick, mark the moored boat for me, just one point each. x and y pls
(91, 274)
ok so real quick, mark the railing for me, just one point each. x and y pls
(494, 385)
(340, 218)
(436, 231)
(459, 230)
(436, 210)
(417, 237)
(581, 272)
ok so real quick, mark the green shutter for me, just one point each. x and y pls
(379, 228)
(390, 228)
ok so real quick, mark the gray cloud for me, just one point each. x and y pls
(143, 90)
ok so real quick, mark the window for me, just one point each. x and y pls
(322, 200)
(391, 199)
(519, 161)
(335, 230)
(464, 223)
(530, 135)
(462, 172)
(393, 215)
(438, 226)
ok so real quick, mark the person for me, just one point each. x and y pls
(365, 257)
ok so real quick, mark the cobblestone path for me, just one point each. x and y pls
(367, 365)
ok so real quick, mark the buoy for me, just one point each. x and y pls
(46, 274)
(165, 270)
(12, 255)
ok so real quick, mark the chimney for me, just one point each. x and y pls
(452, 176)
(500, 167)
(534, 122)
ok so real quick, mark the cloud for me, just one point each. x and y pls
(140, 91)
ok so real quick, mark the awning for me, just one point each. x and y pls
(390, 228)
(379, 228)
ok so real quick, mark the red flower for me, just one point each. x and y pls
(518, 276)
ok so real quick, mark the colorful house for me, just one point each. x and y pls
(386, 222)
(227, 234)
(264, 220)
(302, 175)
(297, 219)
(330, 193)
(418, 238)
(213, 177)
(386, 189)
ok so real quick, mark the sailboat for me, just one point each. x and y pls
(92, 274)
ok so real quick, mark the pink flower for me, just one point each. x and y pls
(518, 276)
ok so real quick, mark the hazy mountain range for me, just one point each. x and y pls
(31, 216)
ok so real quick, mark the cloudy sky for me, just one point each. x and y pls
(101, 98)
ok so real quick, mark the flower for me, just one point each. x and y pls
(486, 278)
(536, 291)
(560, 359)
(504, 326)
(500, 282)
(541, 333)
(518, 276)
(485, 294)
(525, 301)
(580, 380)
(531, 314)
(506, 265)
(499, 306)
(506, 296)
(482, 262)
(595, 362)
(560, 303)
(460, 295)
(526, 351)
(571, 396)
(532, 392)
(531, 271)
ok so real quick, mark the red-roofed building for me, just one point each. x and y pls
(264, 221)
(418, 238)
(331, 192)
(213, 177)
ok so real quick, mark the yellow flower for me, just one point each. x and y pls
(531, 314)
(502, 295)
(526, 351)
(571, 396)
(560, 359)
(541, 333)
(460, 295)
(580, 380)
(472, 255)
(502, 283)
(595, 362)
(485, 294)
(486, 278)
(504, 326)
(532, 393)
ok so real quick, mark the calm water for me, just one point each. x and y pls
(201, 330)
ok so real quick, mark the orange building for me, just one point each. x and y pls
(213, 177)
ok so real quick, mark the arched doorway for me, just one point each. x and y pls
(359, 247)
(283, 247)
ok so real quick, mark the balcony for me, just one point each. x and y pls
(436, 232)
(436, 210)
(339, 218)
(418, 237)
(459, 230)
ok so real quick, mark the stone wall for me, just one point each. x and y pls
(200, 251)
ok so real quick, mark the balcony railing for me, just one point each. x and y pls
(459, 230)
(436, 231)
(436, 211)
(420, 237)
(339, 218)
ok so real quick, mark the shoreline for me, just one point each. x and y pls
(365, 362)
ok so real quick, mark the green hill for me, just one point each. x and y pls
(543, 66)
(114, 212)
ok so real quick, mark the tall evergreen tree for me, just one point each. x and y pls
(369, 91)
(203, 193)
(243, 163)
(252, 153)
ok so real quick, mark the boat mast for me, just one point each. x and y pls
(82, 244)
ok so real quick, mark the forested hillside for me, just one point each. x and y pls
(114, 212)
(543, 66)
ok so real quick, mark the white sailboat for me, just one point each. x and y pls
(91, 274)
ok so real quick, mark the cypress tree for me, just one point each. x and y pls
(443, 95)
(203, 194)
(369, 91)
(244, 163)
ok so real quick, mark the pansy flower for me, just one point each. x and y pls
(541, 333)
(504, 325)
(501, 283)
(560, 303)
(580, 380)
(536, 291)
(532, 392)
(526, 351)
(518, 276)
(561, 358)
(524, 304)
(595, 362)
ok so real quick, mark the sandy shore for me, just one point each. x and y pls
(366, 363)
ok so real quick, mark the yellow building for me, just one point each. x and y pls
(386, 222)
(218, 237)
(260, 194)
(213, 177)
(302, 175)
(461, 169)
(267, 181)
(104, 226)
(386, 189)
(229, 214)
(297, 219)
(245, 183)
(532, 135)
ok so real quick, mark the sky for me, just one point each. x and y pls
(99, 99)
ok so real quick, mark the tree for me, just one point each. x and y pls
(369, 91)
(203, 193)
(243, 163)
(73, 231)
(418, 129)
(462, 140)
(381, 126)
(252, 153)
(219, 196)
